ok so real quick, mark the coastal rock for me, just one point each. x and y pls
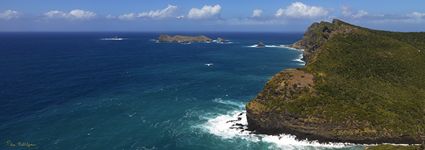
(183, 39)
(260, 45)
(283, 87)
(318, 33)
(359, 86)
(220, 40)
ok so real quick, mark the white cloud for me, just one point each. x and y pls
(257, 13)
(180, 17)
(76, 14)
(364, 16)
(81, 14)
(410, 18)
(154, 14)
(129, 16)
(301, 10)
(255, 21)
(360, 14)
(55, 14)
(110, 16)
(9, 14)
(417, 15)
(205, 12)
(346, 12)
(166, 12)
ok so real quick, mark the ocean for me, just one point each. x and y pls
(76, 91)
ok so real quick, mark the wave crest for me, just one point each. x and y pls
(233, 124)
(229, 102)
(300, 59)
(277, 46)
(113, 39)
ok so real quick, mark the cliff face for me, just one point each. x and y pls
(318, 33)
(284, 86)
(359, 85)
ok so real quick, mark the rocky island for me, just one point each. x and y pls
(260, 45)
(359, 86)
(183, 38)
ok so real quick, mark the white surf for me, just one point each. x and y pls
(234, 124)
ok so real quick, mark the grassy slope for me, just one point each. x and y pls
(369, 84)
(371, 78)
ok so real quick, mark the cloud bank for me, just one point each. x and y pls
(9, 14)
(347, 12)
(205, 12)
(295, 14)
(153, 14)
(166, 12)
(417, 15)
(257, 13)
(76, 14)
(301, 10)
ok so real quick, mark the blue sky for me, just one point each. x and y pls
(206, 15)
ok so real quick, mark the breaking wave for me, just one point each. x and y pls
(277, 46)
(113, 39)
(233, 124)
(229, 102)
(300, 59)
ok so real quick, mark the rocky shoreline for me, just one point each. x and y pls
(314, 136)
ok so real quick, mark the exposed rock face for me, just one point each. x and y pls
(183, 39)
(284, 86)
(318, 33)
(344, 94)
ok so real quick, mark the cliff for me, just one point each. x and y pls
(359, 85)
(318, 33)
(183, 39)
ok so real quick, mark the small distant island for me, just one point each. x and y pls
(183, 39)
(186, 39)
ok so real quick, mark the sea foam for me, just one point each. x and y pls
(113, 39)
(229, 102)
(266, 46)
(277, 46)
(298, 59)
(233, 124)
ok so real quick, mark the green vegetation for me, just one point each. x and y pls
(371, 78)
(369, 85)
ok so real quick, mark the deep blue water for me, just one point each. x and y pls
(75, 91)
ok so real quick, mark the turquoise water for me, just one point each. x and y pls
(75, 91)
